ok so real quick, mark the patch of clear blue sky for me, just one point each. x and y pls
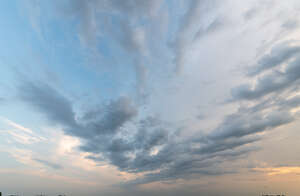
(65, 56)
(76, 65)
(59, 52)
(13, 56)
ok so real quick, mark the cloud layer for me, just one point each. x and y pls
(156, 63)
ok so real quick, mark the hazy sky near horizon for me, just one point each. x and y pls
(150, 97)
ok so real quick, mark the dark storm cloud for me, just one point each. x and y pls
(49, 164)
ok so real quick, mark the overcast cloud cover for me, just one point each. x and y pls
(150, 97)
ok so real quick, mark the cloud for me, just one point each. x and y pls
(290, 24)
(88, 13)
(112, 116)
(23, 138)
(195, 23)
(120, 150)
(46, 99)
(243, 124)
(15, 125)
(276, 80)
(215, 25)
(113, 133)
(135, 138)
(279, 54)
(27, 157)
(48, 163)
(126, 15)
(26, 136)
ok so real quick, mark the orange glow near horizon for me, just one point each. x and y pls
(272, 171)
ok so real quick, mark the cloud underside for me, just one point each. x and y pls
(119, 133)
(115, 133)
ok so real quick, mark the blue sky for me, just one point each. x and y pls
(158, 97)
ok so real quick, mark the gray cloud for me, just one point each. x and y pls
(150, 145)
(189, 167)
(214, 145)
(112, 133)
(275, 81)
(112, 117)
(49, 163)
(279, 54)
(50, 102)
(239, 125)
(290, 24)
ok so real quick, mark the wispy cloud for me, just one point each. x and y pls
(26, 136)
(48, 163)
(17, 126)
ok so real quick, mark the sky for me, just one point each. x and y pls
(149, 97)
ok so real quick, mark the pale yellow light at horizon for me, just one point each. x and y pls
(271, 171)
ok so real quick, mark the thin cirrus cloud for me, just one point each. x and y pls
(48, 163)
(22, 134)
